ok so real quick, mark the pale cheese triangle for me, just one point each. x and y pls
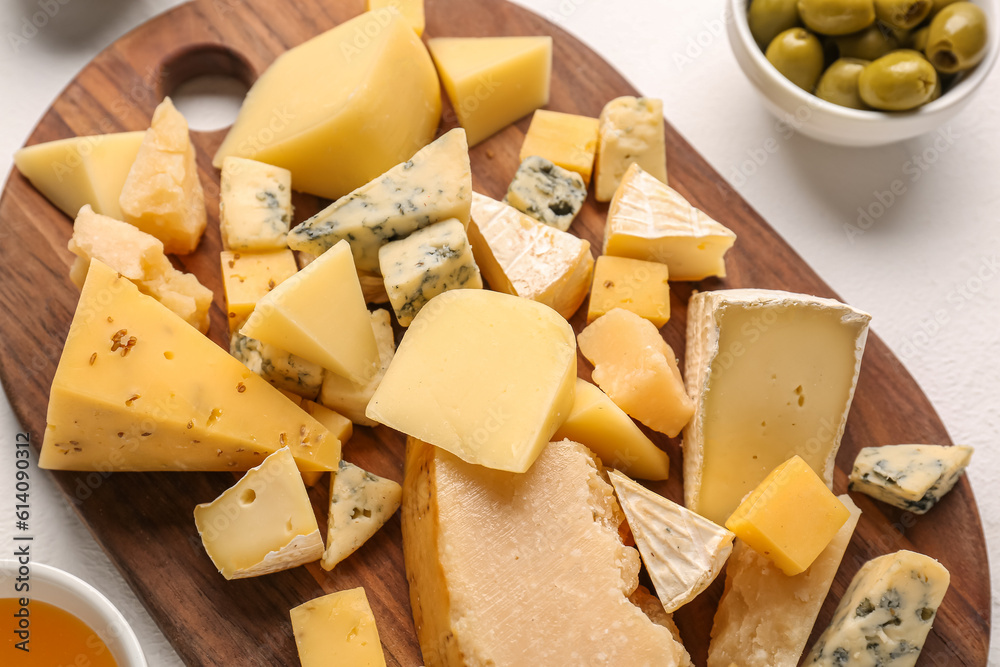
(360, 504)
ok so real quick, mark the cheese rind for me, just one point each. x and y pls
(360, 504)
(280, 368)
(548, 193)
(255, 205)
(352, 398)
(633, 284)
(338, 628)
(910, 477)
(568, 140)
(631, 132)
(248, 276)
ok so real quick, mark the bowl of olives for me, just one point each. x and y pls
(865, 72)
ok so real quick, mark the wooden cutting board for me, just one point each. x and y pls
(144, 521)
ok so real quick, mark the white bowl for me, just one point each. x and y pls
(835, 124)
(79, 598)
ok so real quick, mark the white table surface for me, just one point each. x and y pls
(926, 269)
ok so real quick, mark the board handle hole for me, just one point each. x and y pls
(207, 83)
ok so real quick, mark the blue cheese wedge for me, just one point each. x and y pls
(360, 504)
(885, 615)
(911, 477)
(282, 369)
(255, 205)
(430, 261)
(630, 132)
(351, 398)
(433, 185)
(546, 192)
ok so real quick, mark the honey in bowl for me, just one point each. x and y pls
(55, 638)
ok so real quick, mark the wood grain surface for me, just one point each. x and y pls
(144, 521)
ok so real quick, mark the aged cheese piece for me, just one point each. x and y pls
(493, 81)
(652, 221)
(360, 503)
(351, 398)
(637, 369)
(255, 205)
(790, 517)
(433, 185)
(337, 629)
(547, 193)
(335, 133)
(263, 524)
(411, 10)
(138, 389)
(486, 376)
(162, 194)
(521, 256)
(886, 613)
(683, 551)
(183, 294)
(565, 139)
(631, 132)
(765, 616)
(911, 477)
(282, 369)
(633, 284)
(596, 422)
(320, 315)
(248, 276)
(523, 569)
(772, 374)
(430, 261)
(81, 170)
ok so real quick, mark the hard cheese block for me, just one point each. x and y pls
(248, 276)
(651, 221)
(632, 284)
(523, 569)
(771, 374)
(493, 81)
(280, 368)
(81, 170)
(486, 376)
(360, 504)
(337, 629)
(630, 132)
(521, 256)
(433, 185)
(351, 398)
(911, 477)
(320, 315)
(765, 617)
(255, 205)
(567, 140)
(546, 192)
(683, 552)
(138, 389)
(335, 133)
(263, 524)
(411, 10)
(885, 614)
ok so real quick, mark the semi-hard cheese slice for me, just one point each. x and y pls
(765, 617)
(650, 220)
(523, 569)
(360, 504)
(633, 284)
(521, 256)
(683, 551)
(911, 477)
(351, 398)
(248, 276)
(486, 376)
(320, 315)
(772, 374)
(282, 369)
(255, 205)
(411, 10)
(885, 614)
(137, 388)
(630, 132)
(335, 133)
(567, 140)
(263, 524)
(433, 185)
(337, 629)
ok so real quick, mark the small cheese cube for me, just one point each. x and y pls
(428, 262)
(255, 205)
(411, 10)
(638, 286)
(248, 276)
(351, 398)
(631, 132)
(568, 140)
(360, 504)
(911, 477)
(337, 629)
(790, 517)
(547, 193)
(637, 370)
(280, 368)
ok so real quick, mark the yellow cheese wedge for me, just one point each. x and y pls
(255, 205)
(631, 284)
(493, 81)
(335, 133)
(487, 376)
(631, 132)
(351, 398)
(320, 315)
(248, 276)
(360, 504)
(567, 140)
(523, 569)
(521, 256)
(411, 10)
(337, 629)
(138, 389)
(652, 221)
(81, 170)
(263, 524)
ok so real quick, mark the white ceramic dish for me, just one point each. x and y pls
(850, 127)
(79, 598)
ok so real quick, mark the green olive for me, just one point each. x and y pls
(898, 81)
(837, 17)
(869, 44)
(767, 18)
(918, 41)
(798, 55)
(839, 83)
(937, 90)
(956, 38)
(903, 14)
